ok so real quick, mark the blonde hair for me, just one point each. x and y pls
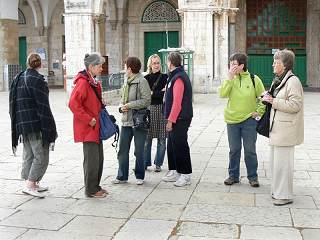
(34, 60)
(149, 63)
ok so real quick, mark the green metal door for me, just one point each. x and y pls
(154, 41)
(276, 24)
(22, 52)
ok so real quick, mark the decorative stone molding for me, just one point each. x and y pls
(76, 4)
(114, 24)
(160, 11)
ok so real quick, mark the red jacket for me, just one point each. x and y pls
(85, 105)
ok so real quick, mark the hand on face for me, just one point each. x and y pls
(233, 70)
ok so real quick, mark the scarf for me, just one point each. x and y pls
(126, 88)
(277, 81)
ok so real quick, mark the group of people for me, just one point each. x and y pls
(169, 98)
(246, 105)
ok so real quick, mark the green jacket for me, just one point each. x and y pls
(243, 97)
(139, 97)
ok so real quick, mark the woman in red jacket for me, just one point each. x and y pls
(85, 103)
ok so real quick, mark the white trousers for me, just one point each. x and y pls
(281, 169)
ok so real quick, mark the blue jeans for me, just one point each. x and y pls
(246, 132)
(126, 135)
(161, 149)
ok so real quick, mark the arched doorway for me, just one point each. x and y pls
(159, 17)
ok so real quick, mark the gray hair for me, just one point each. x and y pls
(94, 58)
(175, 59)
(286, 57)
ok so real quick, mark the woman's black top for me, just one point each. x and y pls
(157, 94)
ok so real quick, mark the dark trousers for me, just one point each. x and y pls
(126, 135)
(92, 166)
(178, 150)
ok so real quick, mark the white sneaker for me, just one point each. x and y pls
(33, 192)
(183, 180)
(139, 181)
(41, 188)
(171, 176)
(117, 181)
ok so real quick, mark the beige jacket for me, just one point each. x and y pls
(139, 97)
(288, 126)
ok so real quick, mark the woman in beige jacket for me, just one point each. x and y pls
(286, 123)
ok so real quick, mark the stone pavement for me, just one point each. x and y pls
(156, 210)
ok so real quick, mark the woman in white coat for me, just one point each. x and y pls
(287, 125)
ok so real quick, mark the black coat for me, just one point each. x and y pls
(157, 94)
(29, 107)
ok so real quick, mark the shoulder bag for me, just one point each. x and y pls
(141, 117)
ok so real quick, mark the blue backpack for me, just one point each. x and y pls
(107, 127)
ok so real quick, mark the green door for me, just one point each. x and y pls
(276, 24)
(154, 41)
(22, 52)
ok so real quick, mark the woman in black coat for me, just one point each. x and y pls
(157, 82)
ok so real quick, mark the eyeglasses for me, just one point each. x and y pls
(234, 64)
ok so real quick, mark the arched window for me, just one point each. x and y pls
(21, 17)
(160, 11)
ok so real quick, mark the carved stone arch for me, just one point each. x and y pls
(21, 17)
(37, 12)
(160, 11)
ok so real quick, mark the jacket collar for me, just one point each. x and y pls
(137, 78)
(284, 80)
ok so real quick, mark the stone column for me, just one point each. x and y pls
(313, 44)
(197, 35)
(221, 46)
(9, 37)
(79, 36)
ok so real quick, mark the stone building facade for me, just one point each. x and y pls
(213, 29)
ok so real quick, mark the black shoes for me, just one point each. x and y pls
(254, 183)
(230, 181)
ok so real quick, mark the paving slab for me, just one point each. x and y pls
(33, 234)
(306, 218)
(37, 219)
(270, 233)
(310, 234)
(11, 233)
(237, 215)
(222, 198)
(98, 226)
(160, 211)
(103, 208)
(137, 229)
(208, 231)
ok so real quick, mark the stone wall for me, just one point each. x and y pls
(9, 46)
(56, 33)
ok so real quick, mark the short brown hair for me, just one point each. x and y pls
(286, 57)
(241, 58)
(175, 59)
(34, 60)
(134, 63)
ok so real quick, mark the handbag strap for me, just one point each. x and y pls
(156, 83)
(275, 110)
(96, 92)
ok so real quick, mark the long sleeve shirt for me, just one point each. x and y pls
(178, 90)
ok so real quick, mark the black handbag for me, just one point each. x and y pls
(141, 117)
(263, 125)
